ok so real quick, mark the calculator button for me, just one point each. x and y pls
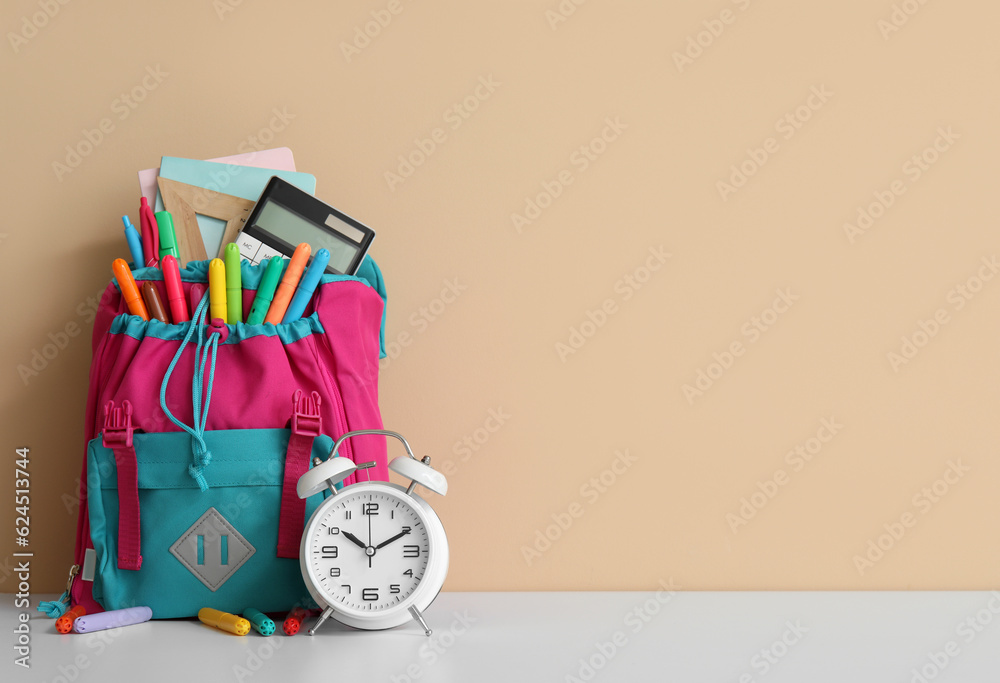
(248, 247)
(267, 252)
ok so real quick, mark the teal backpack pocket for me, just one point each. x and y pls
(199, 548)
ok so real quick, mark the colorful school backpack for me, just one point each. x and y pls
(196, 436)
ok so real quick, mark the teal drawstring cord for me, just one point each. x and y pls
(202, 456)
(55, 608)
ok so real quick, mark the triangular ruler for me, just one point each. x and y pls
(186, 202)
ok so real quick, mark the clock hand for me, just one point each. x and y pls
(369, 540)
(394, 538)
(354, 539)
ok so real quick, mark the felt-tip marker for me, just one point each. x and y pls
(153, 302)
(175, 291)
(261, 623)
(307, 285)
(224, 621)
(166, 233)
(265, 292)
(130, 291)
(288, 282)
(89, 623)
(217, 290)
(64, 624)
(234, 284)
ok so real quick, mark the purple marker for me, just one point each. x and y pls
(105, 620)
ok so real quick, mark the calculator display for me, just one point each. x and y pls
(294, 229)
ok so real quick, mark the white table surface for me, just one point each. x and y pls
(480, 637)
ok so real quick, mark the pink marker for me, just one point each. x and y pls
(197, 293)
(150, 234)
(175, 292)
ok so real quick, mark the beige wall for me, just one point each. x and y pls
(662, 271)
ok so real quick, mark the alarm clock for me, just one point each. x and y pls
(374, 554)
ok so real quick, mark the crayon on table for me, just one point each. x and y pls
(153, 303)
(307, 285)
(217, 290)
(113, 619)
(261, 623)
(265, 292)
(234, 284)
(283, 294)
(64, 624)
(130, 291)
(134, 243)
(224, 621)
(166, 233)
(175, 290)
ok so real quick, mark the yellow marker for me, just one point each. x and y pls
(217, 289)
(224, 621)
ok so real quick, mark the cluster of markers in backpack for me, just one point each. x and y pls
(282, 296)
(78, 621)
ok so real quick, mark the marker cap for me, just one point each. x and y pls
(167, 234)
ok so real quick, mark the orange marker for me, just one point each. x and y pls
(130, 291)
(286, 288)
(64, 624)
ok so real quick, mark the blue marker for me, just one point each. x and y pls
(307, 285)
(134, 242)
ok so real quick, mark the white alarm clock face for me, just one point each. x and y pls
(371, 552)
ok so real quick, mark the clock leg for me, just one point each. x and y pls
(319, 622)
(415, 613)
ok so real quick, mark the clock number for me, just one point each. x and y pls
(334, 572)
(329, 552)
(369, 509)
(411, 551)
(408, 572)
(347, 586)
(406, 529)
(347, 514)
(369, 594)
(333, 530)
(394, 588)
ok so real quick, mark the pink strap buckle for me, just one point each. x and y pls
(117, 425)
(306, 419)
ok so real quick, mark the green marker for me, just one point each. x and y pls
(265, 292)
(234, 285)
(168, 236)
(261, 623)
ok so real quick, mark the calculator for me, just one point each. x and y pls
(286, 216)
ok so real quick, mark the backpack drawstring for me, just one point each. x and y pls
(202, 456)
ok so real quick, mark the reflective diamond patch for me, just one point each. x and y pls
(212, 549)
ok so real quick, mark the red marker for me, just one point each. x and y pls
(150, 234)
(293, 621)
(175, 292)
